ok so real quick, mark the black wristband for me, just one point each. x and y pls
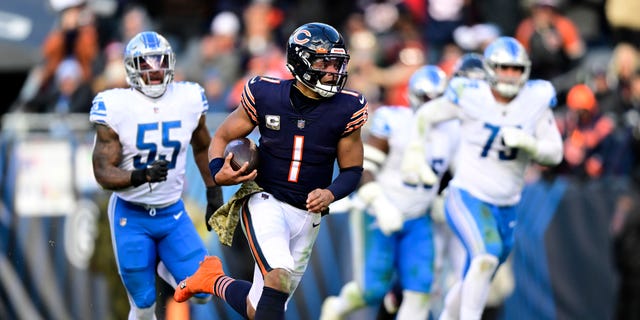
(214, 167)
(138, 177)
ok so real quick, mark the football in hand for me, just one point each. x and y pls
(244, 150)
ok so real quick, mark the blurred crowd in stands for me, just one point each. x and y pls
(587, 48)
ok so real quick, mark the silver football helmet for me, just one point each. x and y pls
(506, 52)
(470, 66)
(150, 63)
(426, 83)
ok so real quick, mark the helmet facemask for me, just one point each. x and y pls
(149, 64)
(316, 67)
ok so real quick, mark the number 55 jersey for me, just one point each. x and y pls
(151, 129)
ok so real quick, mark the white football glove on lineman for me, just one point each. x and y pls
(516, 138)
(389, 218)
(415, 169)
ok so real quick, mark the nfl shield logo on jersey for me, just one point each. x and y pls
(300, 124)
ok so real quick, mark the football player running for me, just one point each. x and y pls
(506, 121)
(140, 153)
(305, 125)
(396, 233)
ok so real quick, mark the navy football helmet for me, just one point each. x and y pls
(150, 63)
(426, 83)
(506, 52)
(312, 42)
(470, 66)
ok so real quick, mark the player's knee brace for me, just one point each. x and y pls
(482, 267)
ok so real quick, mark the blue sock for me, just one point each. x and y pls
(234, 292)
(271, 305)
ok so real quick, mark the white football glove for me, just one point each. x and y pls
(389, 218)
(415, 169)
(516, 138)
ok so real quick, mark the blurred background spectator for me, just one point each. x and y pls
(69, 92)
(622, 18)
(113, 74)
(554, 44)
(214, 60)
(74, 37)
(585, 131)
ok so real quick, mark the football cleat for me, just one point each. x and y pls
(202, 281)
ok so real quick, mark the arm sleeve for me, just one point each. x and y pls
(548, 140)
(435, 111)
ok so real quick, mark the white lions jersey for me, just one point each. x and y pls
(151, 129)
(393, 123)
(485, 167)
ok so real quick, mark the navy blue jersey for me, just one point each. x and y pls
(298, 149)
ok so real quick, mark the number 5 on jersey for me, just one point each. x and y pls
(142, 145)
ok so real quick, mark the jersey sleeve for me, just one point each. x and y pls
(545, 91)
(359, 117)
(203, 99)
(248, 101)
(454, 89)
(99, 114)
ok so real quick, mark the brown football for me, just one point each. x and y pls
(244, 150)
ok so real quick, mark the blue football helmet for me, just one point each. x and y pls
(507, 52)
(426, 83)
(150, 63)
(470, 66)
(308, 44)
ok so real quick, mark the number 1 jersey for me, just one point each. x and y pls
(298, 148)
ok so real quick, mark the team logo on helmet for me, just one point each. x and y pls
(306, 37)
(312, 42)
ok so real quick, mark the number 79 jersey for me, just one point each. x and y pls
(485, 167)
(152, 129)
